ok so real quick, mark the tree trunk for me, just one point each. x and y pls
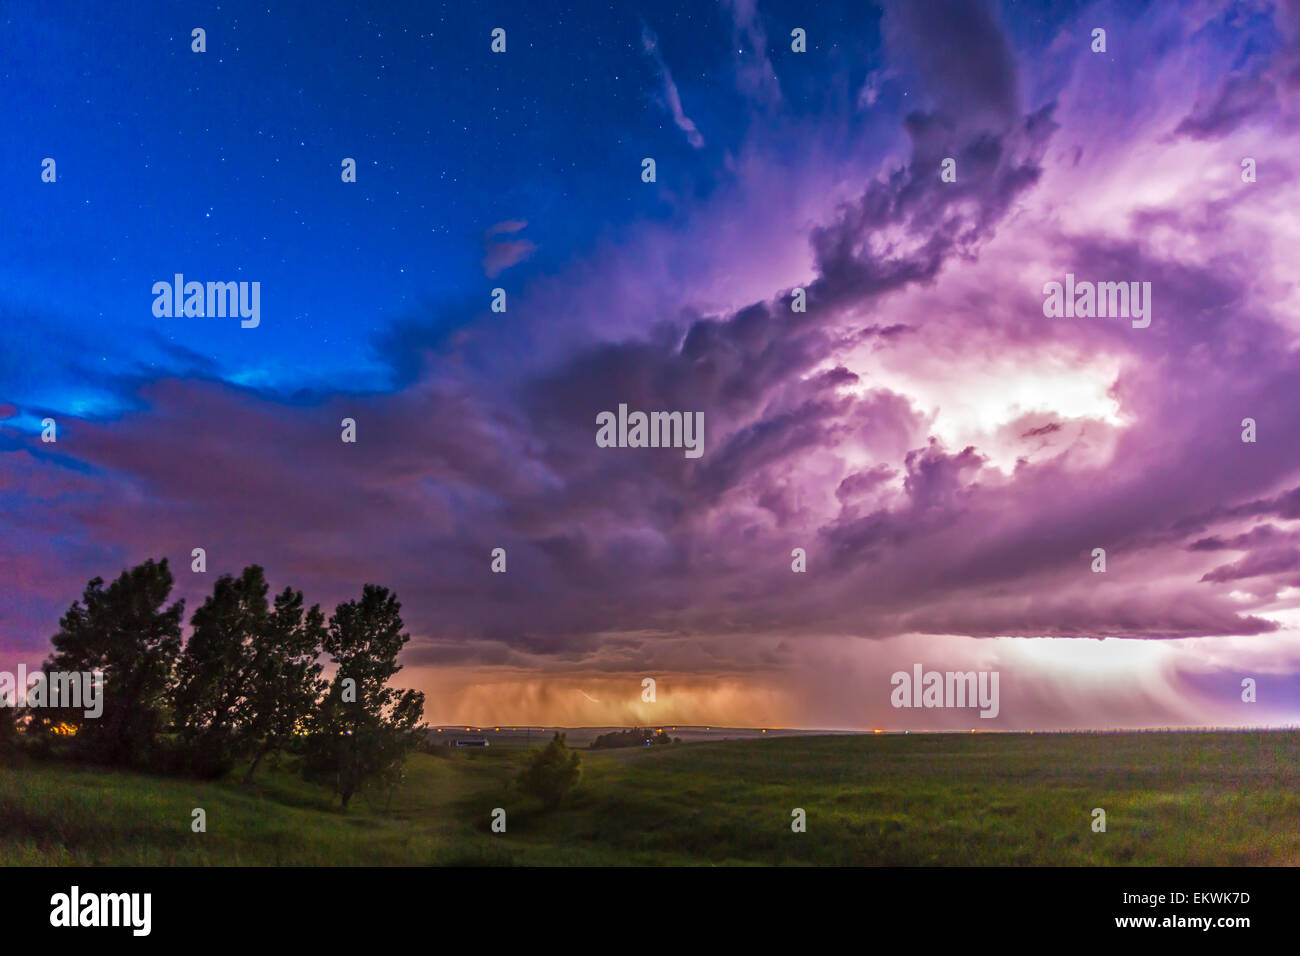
(262, 752)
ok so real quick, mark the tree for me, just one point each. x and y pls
(552, 773)
(125, 632)
(248, 677)
(214, 672)
(8, 732)
(284, 678)
(363, 728)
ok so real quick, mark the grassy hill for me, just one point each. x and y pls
(1170, 799)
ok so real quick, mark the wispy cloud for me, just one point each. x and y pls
(672, 99)
(754, 71)
(504, 253)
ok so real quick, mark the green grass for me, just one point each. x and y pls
(1001, 799)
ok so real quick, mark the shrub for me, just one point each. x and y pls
(552, 773)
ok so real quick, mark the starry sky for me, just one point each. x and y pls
(947, 456)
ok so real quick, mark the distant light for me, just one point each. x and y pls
(877, 731)
(764, 731)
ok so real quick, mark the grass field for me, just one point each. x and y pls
(981, 799)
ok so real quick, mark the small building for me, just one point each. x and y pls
(470, 742)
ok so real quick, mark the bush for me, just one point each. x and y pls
(636, 737)
(553, 772)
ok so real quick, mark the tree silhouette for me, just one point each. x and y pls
(8, 732)
(248, 676)
(214, 670)
(247, 682)
(125, 632)
(284, 679)
(364, 728)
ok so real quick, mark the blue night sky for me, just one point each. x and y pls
(226, 165)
